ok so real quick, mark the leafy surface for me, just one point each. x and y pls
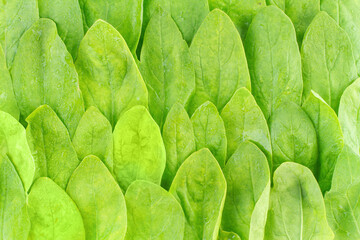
(330, 139)
(166, 66)
(153, 213)
(50, 144)
(293, 137)
(342, 202)
(118, 13)
(179, 142)
(297, 209)
(16, 16)
(209, 131)
(248, 182)
(274, 78)
(108, 75)
(243, 121)
(99, 199)
(93, 136)
(349, 116)
(67, 16)
(200, 188)
(43, 65)
(188, 15)
(240, 12)
(219, 60)
(327, 60)
(53, 214)
(14, 218)
(301, 13)
(13, 144)
(347, 14)
(7, 100)
(139, 152)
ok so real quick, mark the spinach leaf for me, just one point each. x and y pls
(293, 137)
(327, 60)
(67, 16)
(99, 199)
(223, 235)
(297, 209)
(13, 144)
(50, 78)
(349, 116)
(139, 152)
(166, 66)
(240, 12)
(14, 218)
(109, 77)
(200, 188)
(7, 101)
(329, 137)
(274, 60)
(219, 60)
(209, 131)
(247, 175)
(93, 136)
(50, 144)
(153, 213)
(342, 201)
(179, 142)
(243, 121)
(188, 15)
(347, 14)
(16, 16)
(53, 214)
(301, 13)
(149, 8)
(125, 16)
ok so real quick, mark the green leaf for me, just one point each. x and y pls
(139, 152)
(297, 209)
(93, 136)
(327, 60)
(67, 16)
(301, 13)
(243, 121)
(347, 14)
(219, 60)
(14, 218)
(240, 12)
(274, 60)
(209, 131)
(223, 235)
(53, 214)
(293, 137)
(109, 77)
(43, 73)
(188, 15)
(247, 175)
(342, 202)
(329, 137)
(166, 66)
(149, 8)
(7, 101)
(153, 213)
(124, 15)
(99, 199)
(14, 145)
(50, 144)
(200, 188)
(16, 16)
(349, 117)
(179, 141)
